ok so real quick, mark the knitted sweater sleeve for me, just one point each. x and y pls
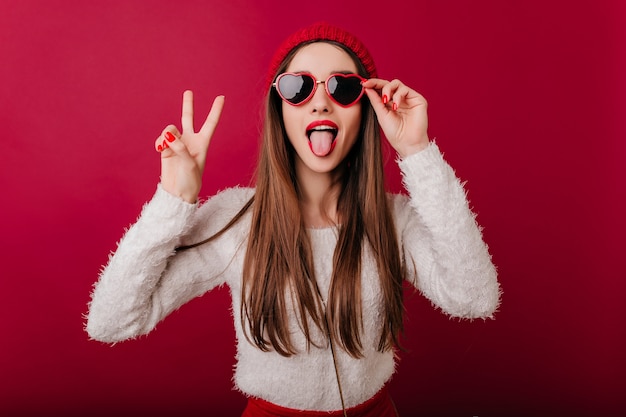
(444, 252)
(146, 279)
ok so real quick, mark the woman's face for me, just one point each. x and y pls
(318, 148)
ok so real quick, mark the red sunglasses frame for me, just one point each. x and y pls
(315, 84)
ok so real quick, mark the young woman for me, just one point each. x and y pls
(315, 255)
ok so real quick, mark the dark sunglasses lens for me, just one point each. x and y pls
(295, 88)
(345, 90)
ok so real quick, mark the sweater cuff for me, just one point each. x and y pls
(170, 213)
(428, 156)
(423, 169)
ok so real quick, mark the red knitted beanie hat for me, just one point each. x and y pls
(320, 32)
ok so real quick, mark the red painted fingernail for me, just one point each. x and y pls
(170, 137)
(385, 99)
(395, 106)
(165, 145)
(159, 148)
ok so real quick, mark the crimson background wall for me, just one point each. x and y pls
(527, 101)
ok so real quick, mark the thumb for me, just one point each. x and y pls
(379, 107)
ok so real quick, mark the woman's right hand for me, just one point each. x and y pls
(183, 155)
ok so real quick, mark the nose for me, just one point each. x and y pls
(320, 102)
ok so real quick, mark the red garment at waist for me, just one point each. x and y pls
(380, 405)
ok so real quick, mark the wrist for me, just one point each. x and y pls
(408, 150)
(187, 197)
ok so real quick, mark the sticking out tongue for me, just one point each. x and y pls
(321, 142)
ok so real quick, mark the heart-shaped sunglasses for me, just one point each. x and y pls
(298, 88)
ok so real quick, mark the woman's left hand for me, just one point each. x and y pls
(401, 113)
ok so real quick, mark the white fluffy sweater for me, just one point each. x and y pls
(442, 246)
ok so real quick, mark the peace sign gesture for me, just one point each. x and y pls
(183, 155)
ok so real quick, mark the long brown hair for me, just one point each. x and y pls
(278, 265)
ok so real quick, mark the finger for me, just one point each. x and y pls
(375, 83)
(174, 145)
(187, 113)
(389, 90)
(213, 118)
(399, 96)
(163, 141)
(383, 87)
(376, 101)
(373, 87)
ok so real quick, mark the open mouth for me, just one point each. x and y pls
(322, 138)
